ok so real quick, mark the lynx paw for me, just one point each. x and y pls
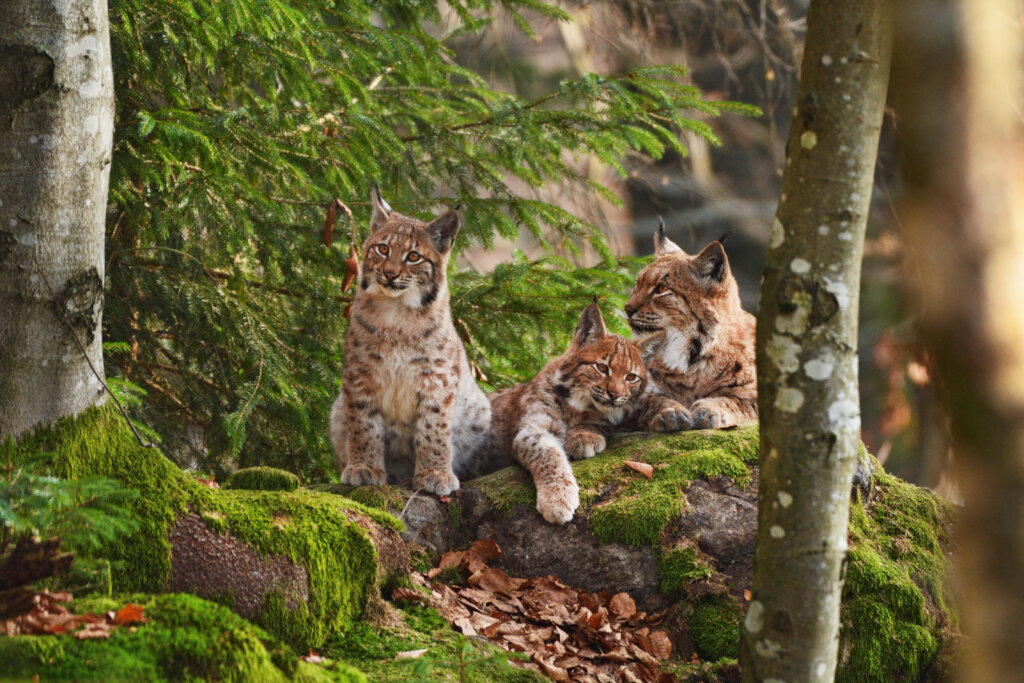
(363, 475)
(579, 445)
(710, 414)
(672, 418)
(441, 482)
(558, 503)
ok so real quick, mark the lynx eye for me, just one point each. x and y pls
(661, 288)
(383, 249)
(632, 377)
(602, 368)
(413, 257)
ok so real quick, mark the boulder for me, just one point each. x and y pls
(684, 540)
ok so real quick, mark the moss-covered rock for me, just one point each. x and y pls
(262, 479)
(335, 542)
(696, 521)
(896, 604)
(185, 638)
(621, 505)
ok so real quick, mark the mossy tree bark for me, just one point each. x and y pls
(958, 80)
(807, 344)
(56, 133)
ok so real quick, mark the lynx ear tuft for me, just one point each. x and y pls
(443, 230)
(662, 244)
(381, 212)
(590, 328)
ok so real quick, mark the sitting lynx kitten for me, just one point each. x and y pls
(409, 405)
(568, 409)
(707, 362)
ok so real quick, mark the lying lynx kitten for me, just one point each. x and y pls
(409, 405)
(569, 408)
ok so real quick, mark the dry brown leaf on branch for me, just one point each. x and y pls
(642, 467)
(351, 268)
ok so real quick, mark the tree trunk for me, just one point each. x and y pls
(807, 344)
(963, 215)
(56, 132)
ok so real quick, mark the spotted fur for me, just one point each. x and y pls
(567, 410)
(409, 406)
(707, 362)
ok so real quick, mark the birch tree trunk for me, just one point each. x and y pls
(807, 344)
(56, 132)
(963, 216)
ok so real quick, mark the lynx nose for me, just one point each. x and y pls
(630, 310)
(390, 274)
(612, 394)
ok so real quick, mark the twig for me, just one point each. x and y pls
(85, 354)
(408, 502)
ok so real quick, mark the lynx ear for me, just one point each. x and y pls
(663, 245)
(590, 328)
(710, 266)
(443, 230)
(381, 210)
(650, 345)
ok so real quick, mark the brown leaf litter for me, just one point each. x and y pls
(569, 634)
(49, 616)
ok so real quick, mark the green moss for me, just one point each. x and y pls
(98, 442)
(889, 630)
(387, 498)
(185, 638)
(715, 628)
(373, 650)
(310, 528)
(623, 506)
(262, 479)
(679, 567)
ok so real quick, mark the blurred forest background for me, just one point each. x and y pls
(234, 335)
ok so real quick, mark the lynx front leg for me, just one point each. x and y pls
(558, 494)
(434, 446)
(364, 426)
(584, 441)
(656, 413)
(721, 412)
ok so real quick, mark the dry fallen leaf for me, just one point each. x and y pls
(622, 606)
(641, 467)
(661, 645)
(129, 614)
(313, 658)
(746, 594)
(408, 595)
(411, 654)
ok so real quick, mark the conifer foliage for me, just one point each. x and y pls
(239, 122)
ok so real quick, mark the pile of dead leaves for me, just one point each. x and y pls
(49, 616)
(569, 634)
